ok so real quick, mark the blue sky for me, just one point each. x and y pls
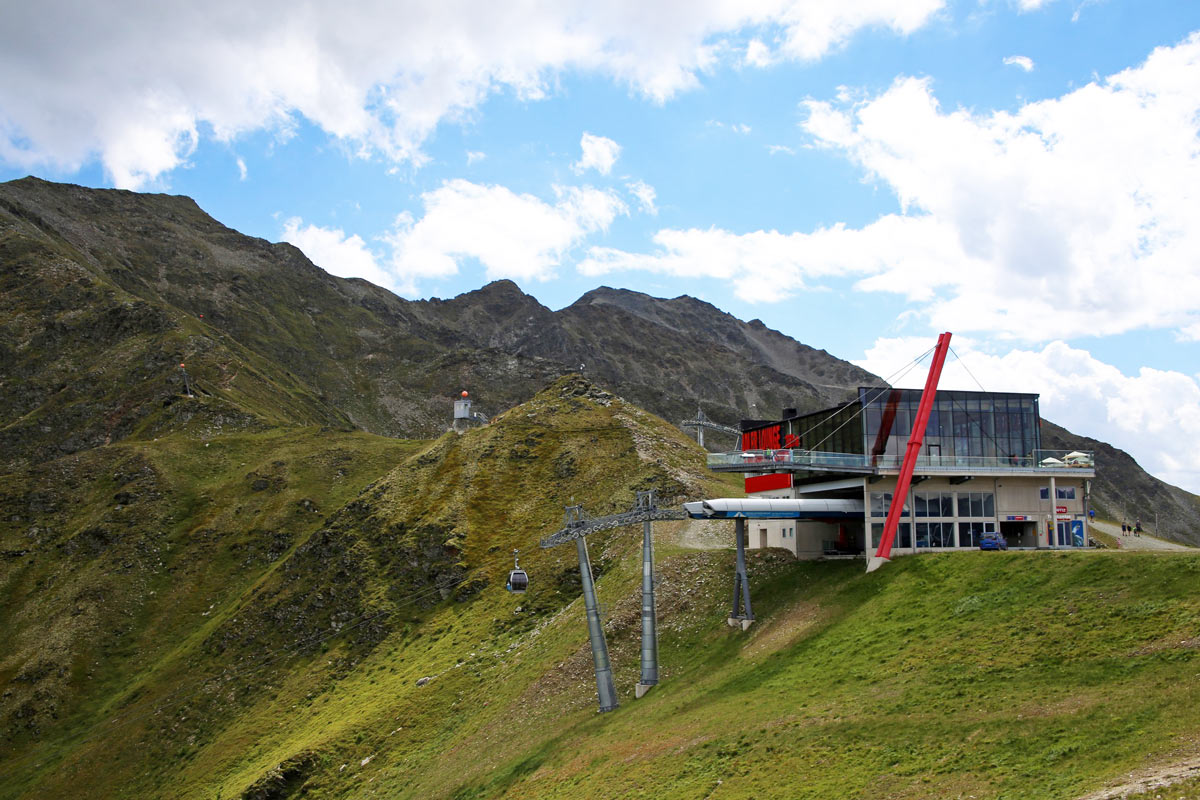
(858, 174)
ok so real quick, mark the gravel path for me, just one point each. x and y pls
(1143, 542)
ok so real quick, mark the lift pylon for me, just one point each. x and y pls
(575, 527)
(741, 614)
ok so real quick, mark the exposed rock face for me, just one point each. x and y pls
(104, 293)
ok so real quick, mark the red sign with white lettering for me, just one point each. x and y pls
(1061, 509)
(762, 439)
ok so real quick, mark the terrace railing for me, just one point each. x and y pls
(790, 459)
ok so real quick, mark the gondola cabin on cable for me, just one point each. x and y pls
(518, 581)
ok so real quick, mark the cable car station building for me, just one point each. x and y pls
(981, 469)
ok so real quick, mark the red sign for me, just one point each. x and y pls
(768, 482)
(762, 439)
(1061, 509)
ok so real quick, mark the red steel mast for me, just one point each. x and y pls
(884, 552)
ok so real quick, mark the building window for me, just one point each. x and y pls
(1061, 492)
(976, 504)
(934, 504)
(881, 501)
(969, 533)
(935, 534)
(903, 535)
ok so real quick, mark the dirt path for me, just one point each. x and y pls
(1131, 542)
(1150, 778)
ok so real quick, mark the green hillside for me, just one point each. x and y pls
(308, 613)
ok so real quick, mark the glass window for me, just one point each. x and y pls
(1064, 492)
(935, 534)
(976, 504)
(1044, 493)
(947, 505)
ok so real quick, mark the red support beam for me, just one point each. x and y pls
(884, 552)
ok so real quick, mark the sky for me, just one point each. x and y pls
(858, 174)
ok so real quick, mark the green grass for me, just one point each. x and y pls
(967, 674)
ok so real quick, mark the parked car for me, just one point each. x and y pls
(992, 541)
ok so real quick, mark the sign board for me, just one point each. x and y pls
(1016, 517)
(1061, 509)
(1077, 532)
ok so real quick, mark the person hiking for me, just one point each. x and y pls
(1137, 528)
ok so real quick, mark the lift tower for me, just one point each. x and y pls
(575, 527)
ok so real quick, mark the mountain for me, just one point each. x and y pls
(236, 579)
(104, 293)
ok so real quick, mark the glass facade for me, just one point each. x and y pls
(963, 426)
(830, 431)
(948, 519)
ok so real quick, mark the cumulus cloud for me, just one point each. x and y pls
(512, 235)
(336, 253)
(1069, 217)
(516, 236)
(475, 155)
(1153, 415)
(134, 83)
(645, 195)
(758, 54)
(1024, 62)
(599, 153)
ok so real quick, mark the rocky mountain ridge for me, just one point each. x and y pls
(105, 293)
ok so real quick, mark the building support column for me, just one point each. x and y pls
(741, 585)
(605, 691)
(1053, 513)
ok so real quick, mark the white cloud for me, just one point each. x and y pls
(645, 195)
(758, 54)
(736, 127)
(1031, 5)
(1071, 217)
(242, 172)
(1154, 415)
(513, 235)
(377, 75)
(599, 153)
(776, 149)
(1024, 62)
(475, 155)
(335, 252)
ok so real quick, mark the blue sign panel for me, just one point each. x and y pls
(1077, 532)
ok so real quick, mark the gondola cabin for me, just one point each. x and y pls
(518, 581)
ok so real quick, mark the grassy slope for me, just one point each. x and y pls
(984, 674)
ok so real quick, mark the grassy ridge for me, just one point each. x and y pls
(372, 651)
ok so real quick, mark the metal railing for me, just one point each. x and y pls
(756, 460)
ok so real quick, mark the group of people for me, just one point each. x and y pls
(1135, 529)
